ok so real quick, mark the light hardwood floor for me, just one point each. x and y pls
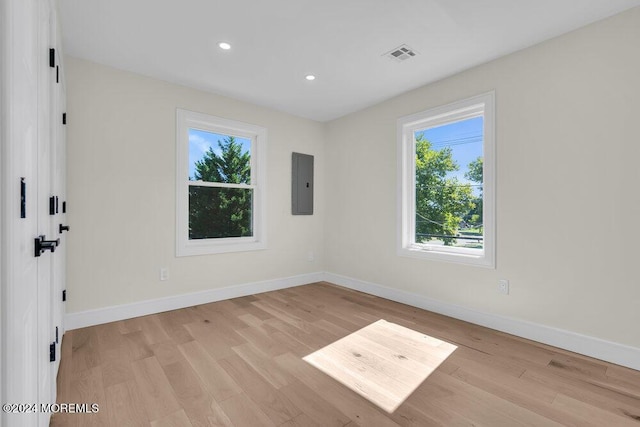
(239, 362)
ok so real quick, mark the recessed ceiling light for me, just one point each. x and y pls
(224, 45)
(310, 77)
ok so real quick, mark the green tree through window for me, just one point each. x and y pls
(475, 174)
(441, 202)
(218, 212)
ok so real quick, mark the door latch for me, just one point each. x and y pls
(42, 245)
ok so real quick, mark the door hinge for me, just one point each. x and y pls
(52, 205)
(52, 352)
(64, 118)
(57, 74)
(23, 198)
(64, 207)
(57, 341)
(52, 57)
(64, 295)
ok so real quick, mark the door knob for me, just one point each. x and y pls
(63, 228)
(42, 245)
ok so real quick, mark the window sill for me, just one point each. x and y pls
(210, 248)
(448, 256)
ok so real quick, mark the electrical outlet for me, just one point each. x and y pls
(503, 286)
(164, 274)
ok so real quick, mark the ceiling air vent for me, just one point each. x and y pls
(401, 53)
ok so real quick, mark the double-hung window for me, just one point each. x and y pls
(220, 185)
(446, 163)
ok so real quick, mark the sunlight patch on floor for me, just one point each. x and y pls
(383, 362)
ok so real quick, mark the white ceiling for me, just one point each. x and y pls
(275, 43)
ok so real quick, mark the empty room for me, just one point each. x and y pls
(337, 213)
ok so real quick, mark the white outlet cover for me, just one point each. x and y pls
(503, 286)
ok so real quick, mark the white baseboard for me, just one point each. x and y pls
(589, 346)
(594, 347)
(127, 311)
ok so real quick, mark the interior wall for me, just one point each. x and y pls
(567, 186)
(121, 191)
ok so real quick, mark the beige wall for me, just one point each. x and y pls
(121, 191)
(568, 196)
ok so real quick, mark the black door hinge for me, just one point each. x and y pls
(57, 74)
(64, 118)
(57, 341)
(52, 205)
(52, 352)
(23, 198)
(64, 207)
(52, 57)
(64, 295)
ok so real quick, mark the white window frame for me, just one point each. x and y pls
(481, 105)
(186, 120)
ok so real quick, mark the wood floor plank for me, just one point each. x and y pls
(216, 380)
(199, 406)
(426, 413)
(173, 322)
(590, 415)
(177, 419)
(137, 345)
(303, 420)
(251, 320)
(240, 362)
(273, 403)
(153, 329)
(157, 395)
(167, 352)
(65, 370)
(306, 338)
(314, 405)
(244, 412)
(263, 365)
(125, 405)
(85, 351)
(604, 396)
(87, 387)
(261, 339)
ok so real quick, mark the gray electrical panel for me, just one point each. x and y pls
(302, 184)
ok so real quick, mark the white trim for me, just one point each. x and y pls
(484, 105)
(583, 344)
(127, 311)
(188, 119)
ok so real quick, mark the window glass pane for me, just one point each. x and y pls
(449, 178)
(216, 212)
(215, 157)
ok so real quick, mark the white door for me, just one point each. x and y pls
(46, 211)
(20, 332)
(59, 226)
(31, 172)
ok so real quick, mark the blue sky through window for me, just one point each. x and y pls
(200, 141)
